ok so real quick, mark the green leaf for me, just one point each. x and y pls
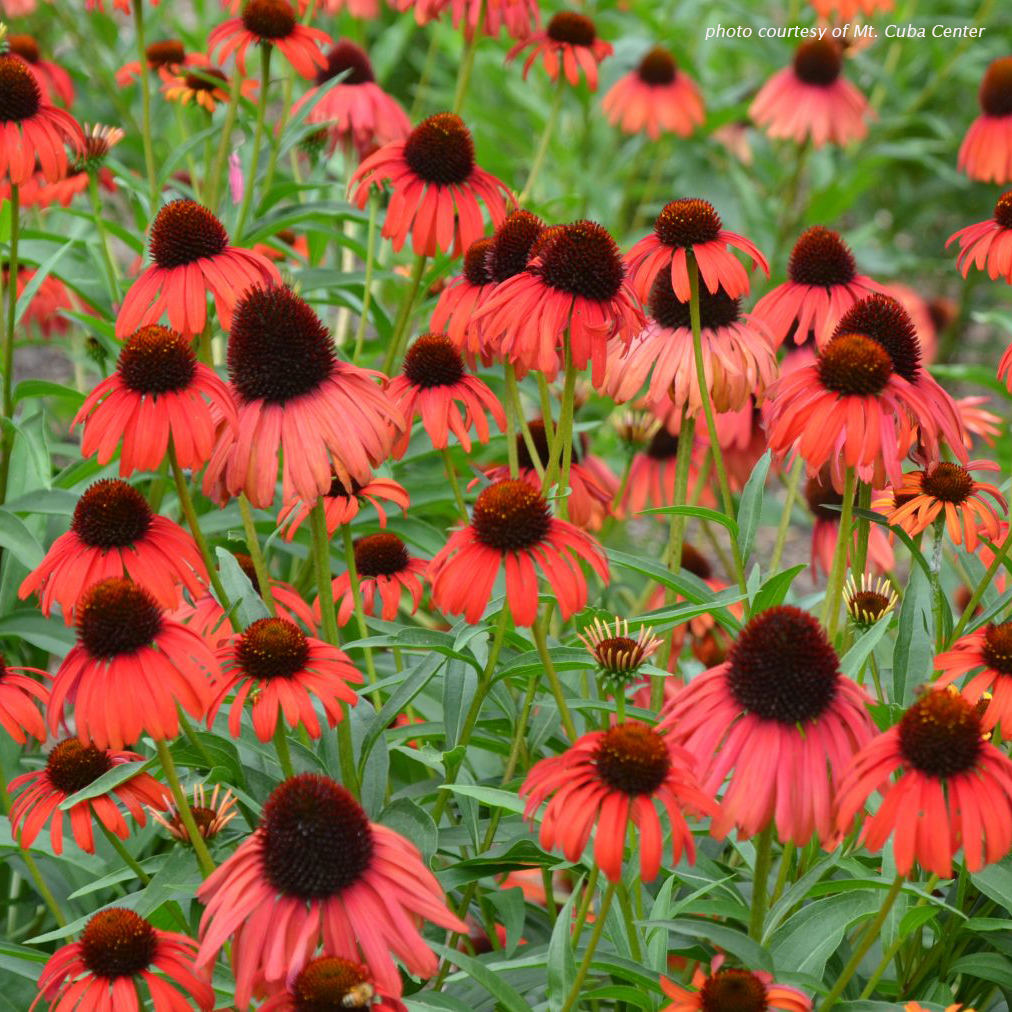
(694, 511)
(491, 796)
(49, 634)
(41, 273)
(774, 591)
(995, 882)
(485, 975)
(248, 606)
(854, 659)
(988, 966)
(105, 783)
(916, 917)
(914, 653)
(751, 505)
(19, 540)
(723, 936)
(46, 388)
(414, 823)
(561, 967)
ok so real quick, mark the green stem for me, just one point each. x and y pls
(786, 856)
(7, 439)
(213, 185)
(356, 597)
(793, 482)
(513, 400)
(546, 137)
(191, 736)
(276, 139)
(111, 274)
(760, 878)
(451, 474)
(370, 262)
(585, 902)
(128, 859)
(564, 430)
(253, 547)
(467, 63)
(629, 919)
(971, 607)
(149, 153)
(283, 751)
(834, 588)
(538, 631)
(863, 525)
(512, 454)
(423, 79)
(258, 134)
(595, 936)
(398, 336)
(197, 841)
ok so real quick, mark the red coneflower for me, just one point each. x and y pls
(651, 481)
(812, 100)
(606, 778)
(690, 225)
(211, 814)
(384, 569)
(518, 17)
(571, 42)
(316, 869)
(945, 490)
(34, 129)
(203, 85)
(738, 357)
(297, 399)
(20, 696)
(864, 401)
(114, 965)
(366, 10)
(987, 243)
(158, 392)
(777, 722)
(954, 788)
(71, 766)
(270, 23)
(512, 529)
(986, 151)
(329, 982)
(357, 109)
(822, 285)
(98, 142)
(729, 989)
(341, 505)
(114, 533)
(51, 78)
(656, 97)
(127, 650)
(988, 651)
(274, 661)
(576, 284)
(165, 57)
(45, 312)
(192, 257)
(437, 185)
(978, 421)
(434, 386)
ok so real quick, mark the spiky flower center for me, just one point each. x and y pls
(572, 28)
(20, 97)
(382, 554)
(1003, 210)
(116, 617)
(619, 655)
(632, 758)
(433, 361)
(476, 266)
(165, 53)
(346, 57)
(118, 943)
(156, 360)
(316, 838)
(687, 222)
(206, 820)
(205, 79)
(997, 648)
(184, 232)
(948, 482)
(111, 514)
(733, 990)
(440, 150)
(884, 319)
(818, 62)
(940, 735)
(854, 364)
(782, 667)
(278, 348)
(272, 648)
(269, 19)
(510, 251)
(663, 446)
(72, 765)
(583, 259)
(329, 984)
(996, 88)
(821, 257)
(510, 516)
(24, 46)
(716, 309)
(657, 68)
(819, 496)
(869, 605)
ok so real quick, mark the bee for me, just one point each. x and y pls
(359, 996)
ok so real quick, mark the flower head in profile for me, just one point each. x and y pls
(690, 225)
(119, 958)
(342, 504)
(733, 989)
(71, 766)
(437, 186)
(317, 869)
(512, 529)
(954, 789)
(986, 151)
(21, 695)
(812, 100)
(868, 601)
(774, 726)
(211, 813)
(618, 655)
(570, 42)
(607, 778)
(657, 97)
(385, 568)
(986, 656)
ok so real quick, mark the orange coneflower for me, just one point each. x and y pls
(341, 504)
(986, 151)
(158, 392)
(954, 788)
(20, 696)
(778, 722)
(385, 568)
(988, 652)
(978, 421)
(119, 958)
(848, 10)
(296, 400)
(129, 651)
(731, 988)
(512, 529)
(690, 225)
(202, 84)
(604, 780)
(329, 982)
(165, 57)
(571, 42)
(316, 869)
(987, 243)
(113, 532)
(71, 766)
(50, 77)
(437, 185)
(812, 100)
(656, 97)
